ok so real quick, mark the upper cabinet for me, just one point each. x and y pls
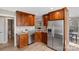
(24, 19)
(31, 19)
(56, 15)
(18, 18)
(45, 19)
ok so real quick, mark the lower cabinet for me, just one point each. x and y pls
(41, 37)
(38, 36)
(22, 40)
(44, 37)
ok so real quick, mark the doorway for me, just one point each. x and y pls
(6, 32)
(11, 32)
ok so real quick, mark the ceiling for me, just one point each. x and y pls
(39, 11)
(73, 11)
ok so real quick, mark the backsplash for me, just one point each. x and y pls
(20, 29)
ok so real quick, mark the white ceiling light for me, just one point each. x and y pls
(51, 8)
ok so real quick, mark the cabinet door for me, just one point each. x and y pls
(26, 20)
(32, 21)
(59, 15)
(26, 40)
(56, 15)
(21, 44)
(29, 20)
(22, 19)
(44, 37)
(18, 18)
(38, 37)
(51, 16)
(45, 20)
(23, 40)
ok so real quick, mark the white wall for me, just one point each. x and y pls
(3, 29)
(73, 11)
(6, 13)
(20, 29)
(3, 35)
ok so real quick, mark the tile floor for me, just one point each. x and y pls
(38, 46)
(33, 47)
(73, 47)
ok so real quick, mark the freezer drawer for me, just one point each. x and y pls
(49, 42)
(58, 44)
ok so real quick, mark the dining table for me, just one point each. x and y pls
(74, 34)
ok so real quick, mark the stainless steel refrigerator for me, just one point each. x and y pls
(56, 35)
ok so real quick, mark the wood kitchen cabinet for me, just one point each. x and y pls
(41, 37)
(51, 16)
(31, 20)
(24, 19)
(27, 21)
(44, 37)
(45, 19)
(38, 36)
(22, 40)
(56, 15)
(18, 18)
(23, 15)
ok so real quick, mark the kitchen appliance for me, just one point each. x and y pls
(56, 35)
(31, 36)
(27, 29)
